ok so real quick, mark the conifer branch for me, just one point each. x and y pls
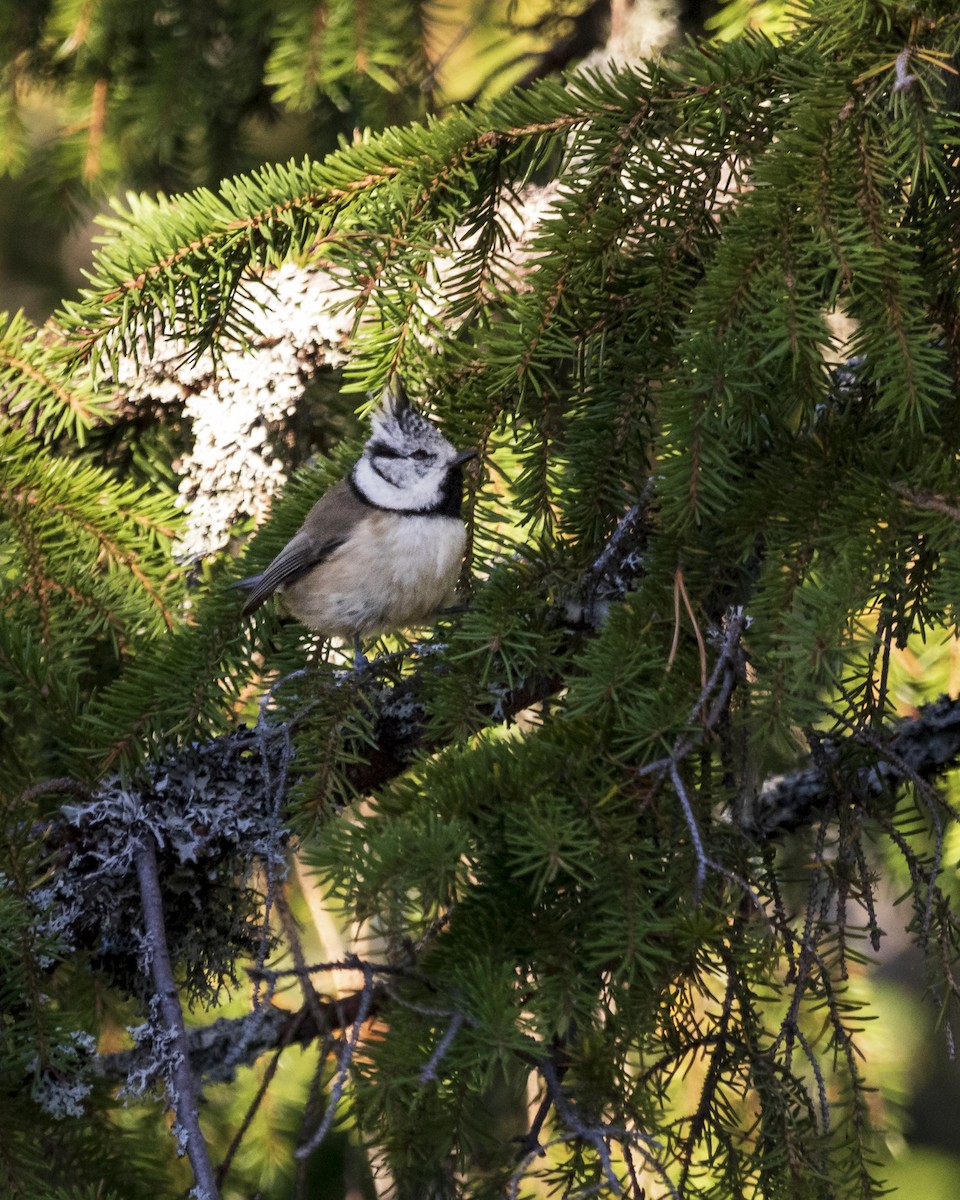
(928, 743)
(34, 393)
(14, 404)
(658, 308)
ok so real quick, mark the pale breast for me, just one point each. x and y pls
(393, 571)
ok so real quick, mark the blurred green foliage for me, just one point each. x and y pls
(700, 343)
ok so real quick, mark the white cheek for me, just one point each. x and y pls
(413, 493)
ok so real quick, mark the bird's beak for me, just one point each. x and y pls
(465, 456)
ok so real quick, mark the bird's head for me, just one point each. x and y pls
(407, 463)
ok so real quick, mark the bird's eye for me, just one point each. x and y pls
(420, 455)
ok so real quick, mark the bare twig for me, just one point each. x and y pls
(55, 787)
(595, 1134)
(721, 681)
(696, 840)
(716, 692)
(625, 529)
(529, 1142)
(181, 1089)
(349, 962)
(347, 1051)
(429, 1072)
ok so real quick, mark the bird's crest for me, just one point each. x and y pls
(402, 426)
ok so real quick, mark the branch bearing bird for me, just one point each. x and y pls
(382, 549)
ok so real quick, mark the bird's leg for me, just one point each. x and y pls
(358, 657)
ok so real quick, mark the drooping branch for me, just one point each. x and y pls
(711, 704)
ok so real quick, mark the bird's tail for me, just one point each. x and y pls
(248, 585)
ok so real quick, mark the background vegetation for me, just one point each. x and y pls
(700, 316)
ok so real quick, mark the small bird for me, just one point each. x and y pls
(382, 548)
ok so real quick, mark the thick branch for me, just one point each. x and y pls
(215, 1051)
(925, 746)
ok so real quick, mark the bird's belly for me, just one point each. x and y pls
(395, 571)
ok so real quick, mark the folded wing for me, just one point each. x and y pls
(327, 526)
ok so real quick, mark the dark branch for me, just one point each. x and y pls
(180, 1084)
(215, 1051)
(924, 746)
